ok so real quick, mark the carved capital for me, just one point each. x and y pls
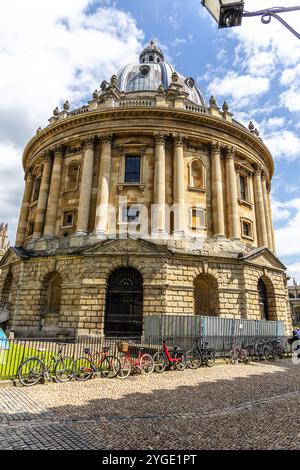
(59, 150)
(178, 140)
(47, 156)
(215, 146)
(257, 169)
(28, 177)
(160, 139)
(107, 138)
(229, 152)
(88, 143)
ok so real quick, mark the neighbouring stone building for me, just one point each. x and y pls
(4, 243)
(144, 201)
(294, 297)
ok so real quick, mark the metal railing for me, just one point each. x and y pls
(14, 352)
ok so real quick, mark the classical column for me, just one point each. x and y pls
(54, 191)
(217, 191)
(260, 209)
(232, 195)
(86, 186)
(103, 186)
(43, 197)
(160, 184)
(179, 219)
(21, 232)
(267, 211)
(271, 219)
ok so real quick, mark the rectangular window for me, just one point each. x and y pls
(197, 218)
(246, 229)
(130, 214)
(132, 168)
(68, 219)
(243, 187)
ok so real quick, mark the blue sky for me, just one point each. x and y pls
(63, 50)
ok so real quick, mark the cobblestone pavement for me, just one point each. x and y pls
(228, 407)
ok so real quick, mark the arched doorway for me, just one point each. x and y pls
(124, 303)
(50, 301)
(206, 297)
(5, 301)
(263, 300)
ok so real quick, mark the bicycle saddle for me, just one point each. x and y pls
(41, 349)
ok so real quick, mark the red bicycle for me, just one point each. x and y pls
(163, 358)
(143, 363)
(86, 366)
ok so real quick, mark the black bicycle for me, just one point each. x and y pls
(200, 355)
(37, 369)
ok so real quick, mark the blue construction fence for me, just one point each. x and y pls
(197, 325)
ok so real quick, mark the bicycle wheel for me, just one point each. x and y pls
(125, 368)
(84, 369)
(193, 359)
(180, 365)
(268, 353)
(110, 367)
(64, 369)
(210, 357)
(233, 357)
(147, 364)
(31, 371)
(160, 362)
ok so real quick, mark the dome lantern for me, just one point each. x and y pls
(151, 53)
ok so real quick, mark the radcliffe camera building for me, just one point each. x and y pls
(146, 201)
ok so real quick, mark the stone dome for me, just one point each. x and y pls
(153, 71)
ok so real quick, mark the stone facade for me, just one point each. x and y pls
(294, 299)
(201, 238)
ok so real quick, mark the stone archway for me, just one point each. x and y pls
(50, 301)
(206, 295)
(266, 299)
(5, 306)
(124, 303)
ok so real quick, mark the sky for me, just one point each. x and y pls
(54, 50)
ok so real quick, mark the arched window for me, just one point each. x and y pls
(150, 58)
(124, 302)
(263, 300)
(6, 290)
(197, 174)
(206, 297)
(72, 176)
(36, 189)
(51, 294)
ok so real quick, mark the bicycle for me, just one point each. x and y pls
(259, 350)
(34, 369)
(200, 355)
(163, 358)
(107, 364)
(143, 363)
(238, 354)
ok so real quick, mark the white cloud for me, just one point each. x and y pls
(240, 89)
(52, 51)
(291, 98)
(293, 270)
(283, 144)
(287, 236)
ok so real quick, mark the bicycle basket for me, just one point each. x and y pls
(122, 347)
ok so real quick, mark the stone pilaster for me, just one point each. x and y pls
(54, 191)
(86, 186)
(179, 215)
(260, 209)
(160, 184)
(231, 195)
(103, 186)
(21, 232)
(217, 191)
(271, 219)
(43, 197)
(267, 211)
